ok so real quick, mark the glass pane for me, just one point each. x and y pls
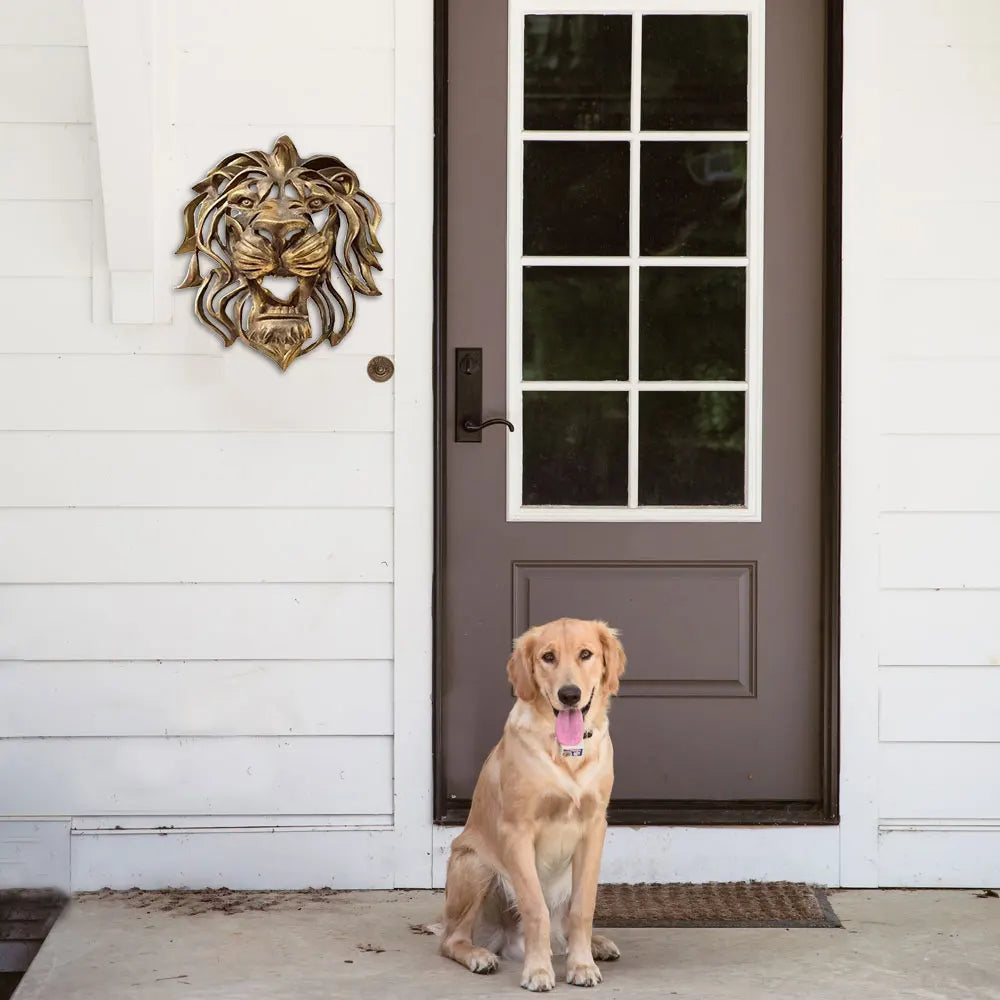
(575, 323)
(577, 71)
(692, 323)
(576, 448)
(694, 72)
(576, 198)
(691, 449)
(693, 199)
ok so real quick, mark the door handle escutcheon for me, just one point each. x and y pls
(469, 421)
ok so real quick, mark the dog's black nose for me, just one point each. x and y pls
(569, 694)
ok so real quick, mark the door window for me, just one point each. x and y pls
(635, 272)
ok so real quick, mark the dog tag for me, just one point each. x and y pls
(576, 751)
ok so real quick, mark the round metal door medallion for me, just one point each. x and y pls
(380, 368)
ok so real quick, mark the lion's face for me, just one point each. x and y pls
(285, 235)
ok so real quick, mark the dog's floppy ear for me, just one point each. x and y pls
(519, 672)
(614, 657)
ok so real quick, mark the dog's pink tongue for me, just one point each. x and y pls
(569, 727)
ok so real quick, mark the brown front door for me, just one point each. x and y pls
(635, 275)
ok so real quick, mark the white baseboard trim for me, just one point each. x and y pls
(34, 854)
(44, 853)
(278, 857)
(939, 854)
(702, 854)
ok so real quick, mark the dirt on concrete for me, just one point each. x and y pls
(191, 902)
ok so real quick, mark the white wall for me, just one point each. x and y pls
(203, 562)
(922, 283)
(197, 552)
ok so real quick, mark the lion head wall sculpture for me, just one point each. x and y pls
(289, 240)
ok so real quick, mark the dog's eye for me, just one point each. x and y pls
(585, 654)
(245, 202)
(316, 203)
(549, 656)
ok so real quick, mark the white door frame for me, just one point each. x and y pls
(413, 443)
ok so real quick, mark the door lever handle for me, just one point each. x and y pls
(471, 426)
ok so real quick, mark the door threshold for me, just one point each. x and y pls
(693, 812)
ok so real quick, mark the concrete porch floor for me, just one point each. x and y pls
(927, 944)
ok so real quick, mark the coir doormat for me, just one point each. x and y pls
(714, 904)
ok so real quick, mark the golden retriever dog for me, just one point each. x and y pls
(522, 876)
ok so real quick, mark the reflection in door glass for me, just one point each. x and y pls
(694, 72)
(575, 448)
(576, 198)
(575, 323)
(691, 448)
(692, 323)
(577, 71)
(693, 199)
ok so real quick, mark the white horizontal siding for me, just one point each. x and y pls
(198, 470)
(305, 621)
(939, 780)
(135, 469)
(197, 698)
(34, 854)
(930, 628)
(54, 238)
(939, 551)
(326, 774)
(941, 473)
(942, 396)
(196, 550)
(334, 86)
(65, 325)
(199, 546)
(956, 84)
(937, 285)
(239, 22)
(933, 239)
(943, 23)
(43, 22)
(941, 318)
(948, 857)
(241, 391)
(239, 858)
(366, 149)
(40, 83)
(48, 162)
(939, 704)
(948, 169)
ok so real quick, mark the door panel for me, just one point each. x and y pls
(658, 346)
(702, 614)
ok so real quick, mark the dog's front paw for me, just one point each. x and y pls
(481, 961)
(539, 980)
(604, 949)
(583, 974)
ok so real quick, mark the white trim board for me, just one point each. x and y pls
(947, 855)
(238, 857)
(413, 446)
(633, 263)
(702, 854)
(860, 447)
